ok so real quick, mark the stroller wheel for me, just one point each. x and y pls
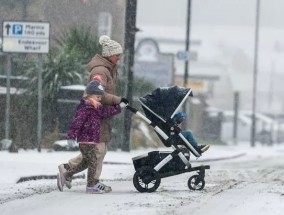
(146, 179)
(195, 182)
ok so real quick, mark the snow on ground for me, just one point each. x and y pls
(242, 180)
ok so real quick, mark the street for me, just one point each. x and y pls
(249, 184)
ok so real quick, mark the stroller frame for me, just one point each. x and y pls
(151, 167)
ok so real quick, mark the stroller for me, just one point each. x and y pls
(160, 107)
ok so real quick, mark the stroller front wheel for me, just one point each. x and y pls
(195, 182)
(146, 179)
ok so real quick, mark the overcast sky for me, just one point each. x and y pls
(210, 12)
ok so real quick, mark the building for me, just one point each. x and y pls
(103, 17)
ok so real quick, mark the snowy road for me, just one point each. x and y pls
(243, 187)
(251, 184)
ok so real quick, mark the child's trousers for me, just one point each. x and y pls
(101, 152)
(188, 135)
(89, 160)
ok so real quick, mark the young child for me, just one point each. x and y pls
(178, 119)
(85, 129)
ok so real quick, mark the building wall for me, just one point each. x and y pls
(66, 13)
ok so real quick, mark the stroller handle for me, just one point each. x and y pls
(132, 109)
(135, 111)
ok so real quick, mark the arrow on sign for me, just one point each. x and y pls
(8, 26)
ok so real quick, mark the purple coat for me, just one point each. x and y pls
(85, 126)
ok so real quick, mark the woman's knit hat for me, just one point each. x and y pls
(109, 47)
(94, 88)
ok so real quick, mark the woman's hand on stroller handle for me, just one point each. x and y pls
(123, 102)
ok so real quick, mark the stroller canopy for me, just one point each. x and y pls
(164, 101)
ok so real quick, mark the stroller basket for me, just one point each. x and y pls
(153, 158)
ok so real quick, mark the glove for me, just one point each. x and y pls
(122, 105)
(72, 143)
(124, 100)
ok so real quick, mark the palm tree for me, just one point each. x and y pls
(59, 68)
(82, 40)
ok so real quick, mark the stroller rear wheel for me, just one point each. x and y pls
(146, 179)
(195, 182)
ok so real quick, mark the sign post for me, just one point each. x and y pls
(27, 37)
(8, 98)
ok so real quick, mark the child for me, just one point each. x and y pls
(178, 119)
(85, 129)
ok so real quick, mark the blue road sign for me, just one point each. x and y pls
(17, 29)
(183, 55)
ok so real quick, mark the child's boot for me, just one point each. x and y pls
(104, 187)
(204, 148)
(95, 189)
(62, 169)
(60, 181)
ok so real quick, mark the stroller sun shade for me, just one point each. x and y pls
(164, 102)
